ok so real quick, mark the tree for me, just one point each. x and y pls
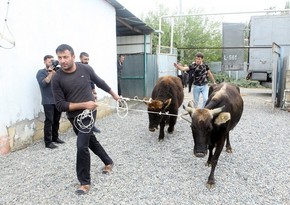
(192, 34)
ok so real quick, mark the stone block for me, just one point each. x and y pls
(287, 85)
(4, 145)
(64, 126)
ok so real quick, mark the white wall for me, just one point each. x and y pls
(38, 28)
(133, 44)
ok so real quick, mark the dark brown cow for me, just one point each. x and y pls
(211, 126)
(167, 96)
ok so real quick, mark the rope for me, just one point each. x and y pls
(122, 112)
(79, 121)
(184, 117)
(2, 35)
(122, 106)
(136, 98)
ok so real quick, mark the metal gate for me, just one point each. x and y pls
(279, 74)
(141, 72)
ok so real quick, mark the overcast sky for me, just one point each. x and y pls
(208, 6)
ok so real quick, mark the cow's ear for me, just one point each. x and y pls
(167, 103)
(222, 118)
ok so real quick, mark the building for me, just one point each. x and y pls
(35, 28)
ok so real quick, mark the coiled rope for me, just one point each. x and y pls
(79, 121)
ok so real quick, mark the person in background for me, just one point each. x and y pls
(73, 95)
(183, 77)
(200, 72)
(120, 62)
(179, 74)
(52, 115)
(190, 79)
(85, 58)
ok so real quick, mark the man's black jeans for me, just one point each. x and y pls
(51, 123)
(87, 140)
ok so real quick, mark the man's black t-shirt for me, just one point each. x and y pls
(198, 73)
(75, 87)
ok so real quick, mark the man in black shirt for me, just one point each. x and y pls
(199, 71)
(73, 94)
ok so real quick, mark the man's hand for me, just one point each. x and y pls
(90, 105)
(51, 69)
(114, 95)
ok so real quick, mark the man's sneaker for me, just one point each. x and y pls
(51, 146)
(96, 130)
(83, 189)
(108, 168)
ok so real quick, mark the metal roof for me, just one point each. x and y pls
(127, 23)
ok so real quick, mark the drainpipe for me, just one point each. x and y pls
(145, 65)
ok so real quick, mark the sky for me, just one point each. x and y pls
(140, 7)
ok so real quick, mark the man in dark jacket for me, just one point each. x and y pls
(120, 62)
(52, 115)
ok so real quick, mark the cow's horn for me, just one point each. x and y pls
(216, 110)
(190, 104)
(189, 109)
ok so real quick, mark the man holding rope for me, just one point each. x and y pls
(73, 95)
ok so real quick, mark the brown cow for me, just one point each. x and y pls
(211, 126)
(167, 96)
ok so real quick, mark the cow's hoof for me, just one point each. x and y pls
(199, 154)
(210, 184)
(208, 164)
(229, 150)
(170, 130)
(161, 139)
(152, 129)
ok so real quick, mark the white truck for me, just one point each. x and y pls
(264, 31)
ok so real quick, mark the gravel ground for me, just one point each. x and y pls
(164, 173)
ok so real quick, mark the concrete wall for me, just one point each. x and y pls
(38, 27)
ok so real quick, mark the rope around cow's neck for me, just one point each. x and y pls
(123, 101)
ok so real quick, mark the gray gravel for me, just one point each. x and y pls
(150, 172)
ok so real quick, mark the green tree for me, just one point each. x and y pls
(152, 19)
(192, 34)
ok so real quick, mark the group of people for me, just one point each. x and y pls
(71, 89)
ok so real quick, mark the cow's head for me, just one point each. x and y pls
(202, 125)
(156, 109)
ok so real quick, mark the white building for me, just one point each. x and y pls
(37, 28)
